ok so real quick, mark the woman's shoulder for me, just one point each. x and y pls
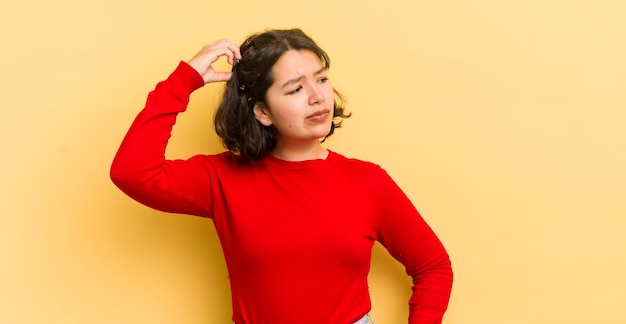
(358, 165)
(222, 160)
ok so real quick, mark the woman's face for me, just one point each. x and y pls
(300, 103)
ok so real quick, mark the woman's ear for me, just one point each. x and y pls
(262, 114)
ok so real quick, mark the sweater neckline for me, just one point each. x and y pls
(306, 164)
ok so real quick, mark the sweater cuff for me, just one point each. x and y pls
(186, 72)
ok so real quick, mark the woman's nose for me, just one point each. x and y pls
(316, 96)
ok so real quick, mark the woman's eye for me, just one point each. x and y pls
(296, 90)
(322, 80)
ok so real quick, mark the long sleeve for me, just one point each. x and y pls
(140, 169)
(411, 241)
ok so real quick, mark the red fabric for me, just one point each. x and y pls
(296, 236)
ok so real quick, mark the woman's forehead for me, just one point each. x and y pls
(296, 63)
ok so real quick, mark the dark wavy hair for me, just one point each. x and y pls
(234, 120)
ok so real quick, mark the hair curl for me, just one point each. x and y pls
(234, 121)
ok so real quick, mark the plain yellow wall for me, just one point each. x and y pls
(504, 121)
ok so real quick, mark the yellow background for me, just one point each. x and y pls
(503, 121)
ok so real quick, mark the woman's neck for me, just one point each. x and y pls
(300, 152)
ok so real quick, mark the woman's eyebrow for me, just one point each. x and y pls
(296, 80)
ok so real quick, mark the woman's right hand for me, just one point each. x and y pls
(202, 62)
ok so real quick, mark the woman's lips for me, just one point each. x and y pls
(319, 116)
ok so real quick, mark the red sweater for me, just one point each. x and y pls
(296, 236)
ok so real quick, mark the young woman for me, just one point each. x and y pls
(296, 221)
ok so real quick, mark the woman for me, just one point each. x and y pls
(296, 221)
